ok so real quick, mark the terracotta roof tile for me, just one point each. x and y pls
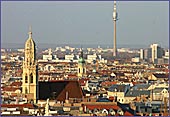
(18, 105)
(128, 114)
(12, 89)
(16, 84)
(91, 107)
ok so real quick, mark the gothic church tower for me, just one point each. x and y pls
(30, 70)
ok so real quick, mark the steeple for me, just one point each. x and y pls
(81, 65)
(81, 55)
(30, 70)
(30, 49)
(81, 59)
(30, 32)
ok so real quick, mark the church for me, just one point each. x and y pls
(35, 90)
(30, 70)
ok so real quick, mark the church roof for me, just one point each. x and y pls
(58, 90)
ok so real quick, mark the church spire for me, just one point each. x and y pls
(30, 32)
(30, 70)
(81, 55)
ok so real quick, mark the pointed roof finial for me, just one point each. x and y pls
(30, 32)
(81, 52)
(30, 28)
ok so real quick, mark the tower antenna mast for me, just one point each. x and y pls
(115, 15)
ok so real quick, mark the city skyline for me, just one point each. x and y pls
(85, 22)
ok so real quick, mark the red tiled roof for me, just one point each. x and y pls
(12, 89)
(106, 83)
(72, 76)
(83, 82)
(74, 91)
(128, 114)
(60, 87)
(16, 84)
(18, 105)
(91, 107)
(111, 98)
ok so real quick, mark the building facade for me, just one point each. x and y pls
(157, 52)
(30, 71)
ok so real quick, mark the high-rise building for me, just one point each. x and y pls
(81, 66)
(157, 52)
(30, 70)
(145, 54)
(141, 53)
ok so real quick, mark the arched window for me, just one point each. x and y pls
(26, 78)
(26, 90)
(49, 67)
(83, 70)
(31, 78)
(79, 70)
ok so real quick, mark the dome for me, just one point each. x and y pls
(81, 60)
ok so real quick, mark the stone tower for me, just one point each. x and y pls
(81, 66)
(30, 70)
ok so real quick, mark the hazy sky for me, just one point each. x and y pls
(85, 22)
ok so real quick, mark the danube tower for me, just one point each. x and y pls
(115, 15)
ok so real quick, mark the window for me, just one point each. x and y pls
(31, 78)
(49, 67)
(83, 70)
(26, 78)
(26, 90)
(79, 70)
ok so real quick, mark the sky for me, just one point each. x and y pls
(85, 22)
